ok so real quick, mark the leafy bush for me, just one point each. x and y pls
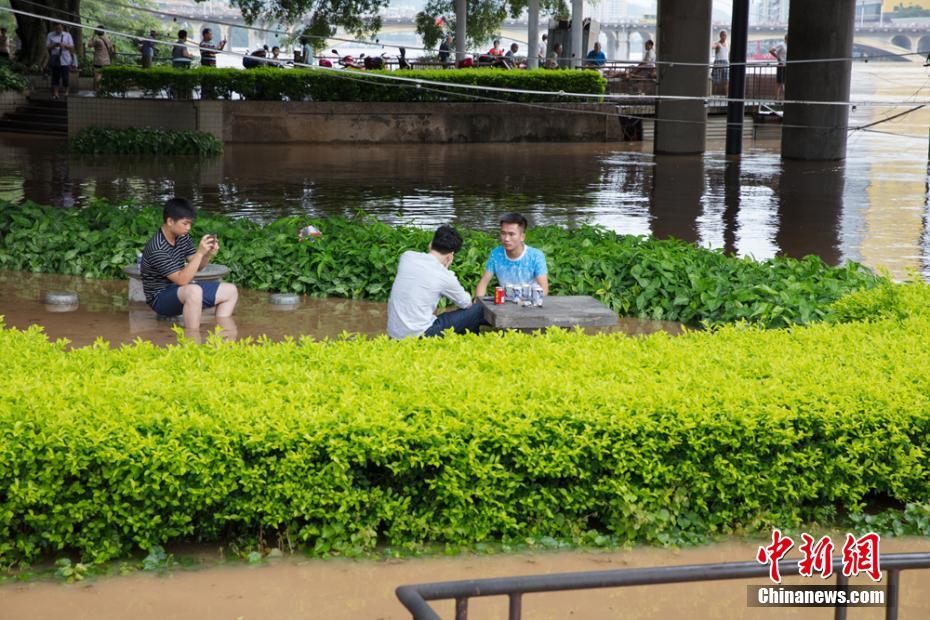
(298, 85)
(347, 444)
(10, 80)
(886, 301)
(635, 276)
(109, 141)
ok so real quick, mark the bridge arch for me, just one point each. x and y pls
(902, 40)
(923, 44)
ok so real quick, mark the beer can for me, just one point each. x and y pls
(538, 296)
(499, 295)
(508, 292)
(527, 293)
(517, 293)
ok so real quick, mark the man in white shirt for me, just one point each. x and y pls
(780, 52)
(60, 46)
(422, 278)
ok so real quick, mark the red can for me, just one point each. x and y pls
(499, 295)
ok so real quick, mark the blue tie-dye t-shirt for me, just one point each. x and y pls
(523, 270)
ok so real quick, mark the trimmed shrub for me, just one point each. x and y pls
(296, 85)
(348, 444)
(109, 141)
(635, 276)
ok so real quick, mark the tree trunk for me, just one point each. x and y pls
(32, 31)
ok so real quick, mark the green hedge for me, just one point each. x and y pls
(109, 141)
(298, 85)
(347, 444)
(635, 276)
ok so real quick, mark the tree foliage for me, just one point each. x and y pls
(321, 17)
(484, 18)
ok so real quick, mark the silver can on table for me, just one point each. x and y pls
(517, 293)
(538, 296)
(527, 295)
(508, 292)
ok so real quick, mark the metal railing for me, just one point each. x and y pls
(415, 597)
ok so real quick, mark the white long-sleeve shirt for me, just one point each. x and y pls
(421, 280)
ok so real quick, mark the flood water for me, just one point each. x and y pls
(104, 312)
(872, 207)
(293, 589)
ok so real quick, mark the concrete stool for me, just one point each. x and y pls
(212, 271)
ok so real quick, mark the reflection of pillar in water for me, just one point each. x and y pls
(810, 199)
(731, 202)
(677, 189)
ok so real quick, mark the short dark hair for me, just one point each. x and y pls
(205, 31)
(178, 209)
(182, 34)
(515, 218)
(446, 240)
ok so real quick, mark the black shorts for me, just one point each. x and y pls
(61, 75)
(780, 74)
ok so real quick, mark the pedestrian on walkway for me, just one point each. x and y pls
(720, 75)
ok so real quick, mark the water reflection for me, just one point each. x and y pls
(871, 208)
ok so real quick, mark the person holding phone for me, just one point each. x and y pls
(170, 263)
(208, 48)
(60, 47)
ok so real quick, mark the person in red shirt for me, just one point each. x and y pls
(496, 50)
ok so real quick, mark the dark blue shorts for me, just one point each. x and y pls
(168, 304)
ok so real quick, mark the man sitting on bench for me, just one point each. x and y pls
(170, 263)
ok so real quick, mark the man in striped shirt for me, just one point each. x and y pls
(169, 264)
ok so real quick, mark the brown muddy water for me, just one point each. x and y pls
(104, 312)
(295, 589)
(872, 207)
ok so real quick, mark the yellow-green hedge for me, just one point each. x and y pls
(352, 443)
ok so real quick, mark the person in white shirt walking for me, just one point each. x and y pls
(720, 75)
(780, 52)
(422, 278)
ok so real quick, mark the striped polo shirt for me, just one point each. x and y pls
(159, 259)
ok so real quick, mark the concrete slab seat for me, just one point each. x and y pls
(556, 311)
(211, 272)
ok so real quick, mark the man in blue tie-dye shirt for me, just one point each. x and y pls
(514, 262)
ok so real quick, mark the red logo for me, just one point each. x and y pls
(860, 555)
(817, 557)
(774, 552)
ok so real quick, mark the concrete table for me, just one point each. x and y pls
(212, 271)
(557, 311)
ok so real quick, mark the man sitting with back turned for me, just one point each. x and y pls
(170, 263)
(514, 262)
(422, 278)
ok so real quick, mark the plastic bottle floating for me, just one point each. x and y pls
(309, 232)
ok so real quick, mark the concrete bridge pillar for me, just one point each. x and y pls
(818, 30)
(460, 19)
(613, 45)
(532, 35)
(683, 37)
(577, 32)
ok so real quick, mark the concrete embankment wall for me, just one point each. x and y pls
(325, 122)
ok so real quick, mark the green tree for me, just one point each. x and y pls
(484, 18)
(32, 31)
(358, 17)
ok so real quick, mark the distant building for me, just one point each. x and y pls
(768, 12)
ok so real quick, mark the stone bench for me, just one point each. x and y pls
(212, 271)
